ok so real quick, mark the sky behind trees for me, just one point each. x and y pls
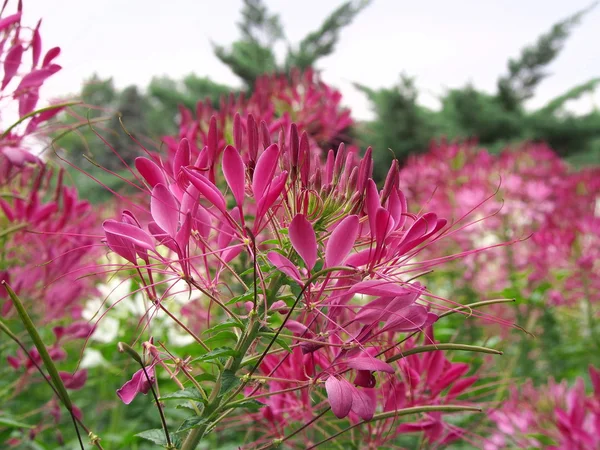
(442, 44)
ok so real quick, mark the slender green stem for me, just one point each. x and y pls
(449, 346)
(33, 113)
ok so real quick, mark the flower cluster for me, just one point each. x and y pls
(554, 416)
(20, 87)
(307, 270)
(276, 102)
(538, 196)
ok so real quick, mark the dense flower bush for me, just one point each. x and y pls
(554, 416)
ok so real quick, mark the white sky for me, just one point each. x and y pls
(443, 43)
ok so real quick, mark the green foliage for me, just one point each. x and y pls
(253, 55)
(496, 120)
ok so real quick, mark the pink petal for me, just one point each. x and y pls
(164, 209)
(274, 190)
(304, 240)
(460, 386)
(76, 381)
(235, 173)
(138, 383)
(408, 319)
(130, 233)
(363, 403)
(341, 241)
(264, 171)
(150, 171)
(383, 307)
(12, 61)
(207, 189)
(285, 266)
(182, 157)
(50, 56)
(371, 364)
(8, 21)
(373, 204)
(339, 394)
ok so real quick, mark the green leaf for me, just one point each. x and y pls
(186, 394)
(190, 423)
(157, 436)
(219, 352)
(251, 404)
(225, 326)
(223, 337)
(228, 381)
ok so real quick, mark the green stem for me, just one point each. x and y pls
(449, 346)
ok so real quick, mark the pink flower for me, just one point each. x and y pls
(139, 383)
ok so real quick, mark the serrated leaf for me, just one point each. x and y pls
(223, 337)
(228, 381)
(225, 326)
(251, 404)
(219, 352)
(157, 436)
(191, 423)
(186, 394)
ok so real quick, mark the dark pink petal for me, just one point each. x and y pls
(237, 130)
(8, 21)
(212, 141)
(130, 233)
(360, 258)
(36, 45)
(460, 386)
(165, 209)
(304, 240)
(437, 362)
(150, 171)
(339, 394)
(14, 362)
(296, 327)
(410, 318)
(36, 77)
(183, 235)
(12, 61)
(182, 157)
(341, 241)
(384, 224)
(265, 171)
(137, 384)
(76, 381)
(121, 247)
(273, 192)
(28, 101)
(364, 378)
(162, 237)
(50, 56)
(235, 173)
(284, 265)
(373, 204)
(207, 189)
(363, 403)
(371, 364)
